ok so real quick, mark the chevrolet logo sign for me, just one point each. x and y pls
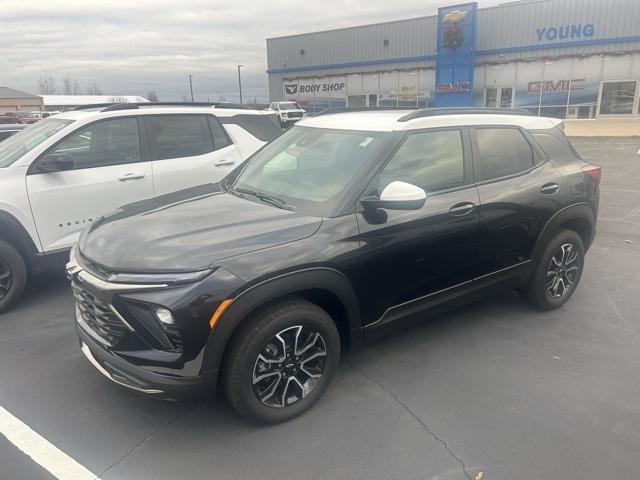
(456, 16)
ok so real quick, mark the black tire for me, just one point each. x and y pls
(288, 318)
(547, 291)
(13, 275)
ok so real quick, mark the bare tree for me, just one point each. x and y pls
(47, 85)
(118, 99)
(76, 88)
(94, 89)
(222, 98)
(152, 97)
(67, 85)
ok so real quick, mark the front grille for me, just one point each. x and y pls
(295, 115)
(98, 316)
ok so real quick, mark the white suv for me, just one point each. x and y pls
(288, 112)
(61, 174)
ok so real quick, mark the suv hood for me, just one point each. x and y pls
(189, 230)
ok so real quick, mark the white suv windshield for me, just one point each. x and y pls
(16, 146)
(289, 106)
(307, 169)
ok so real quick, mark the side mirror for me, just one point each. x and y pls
(397, 196)
(55, 163)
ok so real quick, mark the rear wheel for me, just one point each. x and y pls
(282, 362)
(558, 271)
(13, 275)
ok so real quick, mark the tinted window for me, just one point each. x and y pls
(5, 135)
(263, 127)
(559, 151)
(430, 160)
(110, 142)
(220, 138)
(503, 151)
(178, 136)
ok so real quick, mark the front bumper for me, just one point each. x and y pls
(124, 341)
(143, 381)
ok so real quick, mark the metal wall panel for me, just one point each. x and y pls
(411, 43)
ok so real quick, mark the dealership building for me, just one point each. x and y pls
(561, 58)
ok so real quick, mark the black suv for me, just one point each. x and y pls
(344, 228)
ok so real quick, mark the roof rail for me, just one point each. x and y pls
(330, 110)
(432, 112)
(110, 107)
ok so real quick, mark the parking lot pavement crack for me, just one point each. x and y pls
(145, 440)
(416, 418)
(622, 317)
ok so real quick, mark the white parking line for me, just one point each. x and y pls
(52, 459)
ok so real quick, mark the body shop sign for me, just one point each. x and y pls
(326, 87)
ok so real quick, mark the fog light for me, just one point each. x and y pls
(164, 316)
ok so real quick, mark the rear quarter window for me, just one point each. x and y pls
(263, 127)
(559, 151)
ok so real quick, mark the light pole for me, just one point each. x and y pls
(191, 86)
(240, 83)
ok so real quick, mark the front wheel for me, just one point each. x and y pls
(282, 362)
(13, 275)
(558, 271)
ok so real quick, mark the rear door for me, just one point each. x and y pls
(110, 169)
(519, 191)
(188, 150)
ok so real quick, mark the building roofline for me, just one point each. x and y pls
(492, 51)
(515, 3)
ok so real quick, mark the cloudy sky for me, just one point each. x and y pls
(131, 47)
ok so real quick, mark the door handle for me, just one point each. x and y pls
(549, 188)
(130, 176)
(463, 208)
(223, 162)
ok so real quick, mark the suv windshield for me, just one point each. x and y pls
(289, 106)
(16, 146)
(307, 169)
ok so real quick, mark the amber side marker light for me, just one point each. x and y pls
(219, 311)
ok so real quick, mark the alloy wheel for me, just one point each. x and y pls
(563, 270)
(289, 366)
(6, 277)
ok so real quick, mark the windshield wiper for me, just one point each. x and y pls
(270, 199)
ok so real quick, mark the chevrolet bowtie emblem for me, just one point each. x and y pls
(456, 16)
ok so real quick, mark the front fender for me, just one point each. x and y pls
(252, 297)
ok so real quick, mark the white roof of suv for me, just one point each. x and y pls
(392, 120)
(151, 109)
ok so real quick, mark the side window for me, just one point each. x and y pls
(109, 142)
(431, 160)
(5, 135)
(176, 136)
(503, 151)
(220, 137)
(559, 151)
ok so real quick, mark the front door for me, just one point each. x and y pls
(188, 150)
(501, 97)
(109, 170)
(418, 258)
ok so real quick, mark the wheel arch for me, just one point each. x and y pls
(578, 217)
(326, 287)
(12, 231)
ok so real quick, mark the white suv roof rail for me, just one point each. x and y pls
(109, 107)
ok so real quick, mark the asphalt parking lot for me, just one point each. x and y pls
(494, 388)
